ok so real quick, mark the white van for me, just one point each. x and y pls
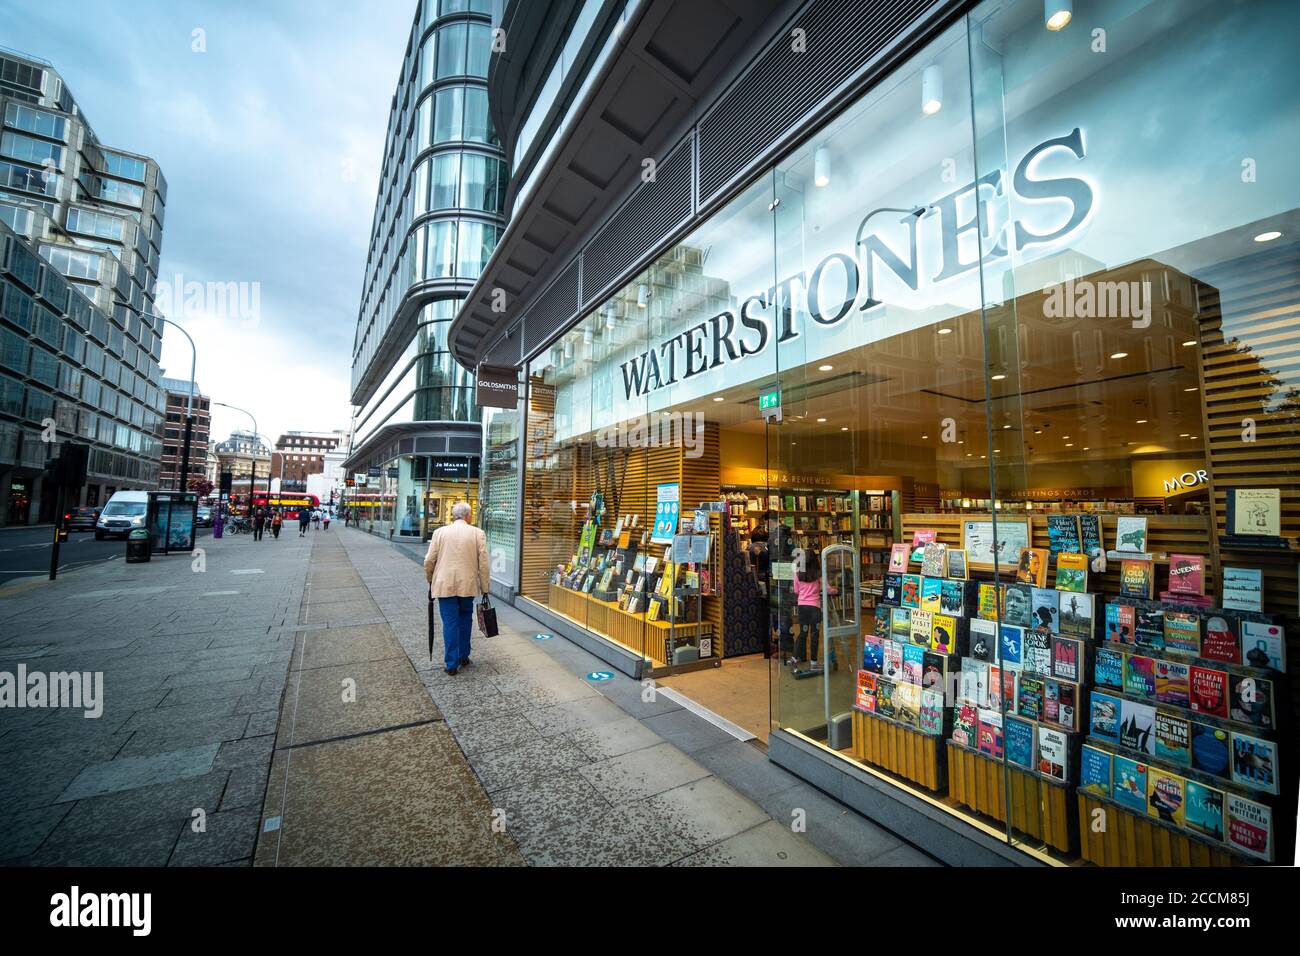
(124, 513)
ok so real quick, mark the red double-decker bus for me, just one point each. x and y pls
(288, 504)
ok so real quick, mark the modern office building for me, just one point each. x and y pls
(991, 306)
(298, 455)
(178, 400)
(437, 217)
(247, 458)
(83, 234)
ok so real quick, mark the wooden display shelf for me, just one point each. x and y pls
(901, 750)
(633, 631)
(1130, 839)
(1039, 807)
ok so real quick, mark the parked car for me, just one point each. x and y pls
(124, 513)
(81, 519)
(203, 517)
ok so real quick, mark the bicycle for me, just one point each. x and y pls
(237, 526)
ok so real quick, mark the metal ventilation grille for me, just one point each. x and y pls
(782, 85)
(651, 213)
(553, 309)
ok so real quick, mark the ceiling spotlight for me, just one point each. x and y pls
(924, 437)
(822, 167)
(1268, 236)
(821, 419)
(1119, 355)
(998, 378)
(944, 331)
(1194, 388)
(844, 429)
(825, 368)
(931, 90)
(1005, 427)
(1057, 14)
(1069, 444)
(718, 398)
(1038, 431)
(1140, 421)
(1189, 342)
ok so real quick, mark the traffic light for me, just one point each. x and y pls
(68, 470)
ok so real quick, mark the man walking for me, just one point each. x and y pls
(259, 523)
(304, 521)
(456, 568)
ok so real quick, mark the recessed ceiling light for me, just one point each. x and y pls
(1038, 431)
(997, 451)
(825, 368)
(1185, 435)
(1140, 421)
(1193, 438)
(924, 437)
(1268, 236)
(998, 378)
(1085, 447)
(844, 429)
(961, 441)
(1005, 427)
(821, 419)
(944, 331)
(1057, 14)
(1194, 388)
(983, 456)
(1189, 342)
(1119, 355)
(969, 455)
(1069, 444)
(719, 398)
(1065, 436)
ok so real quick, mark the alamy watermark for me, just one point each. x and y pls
(1088, 299)
(180, 298)
(77, 690)
(683, 430)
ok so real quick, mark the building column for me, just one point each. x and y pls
(34, 500)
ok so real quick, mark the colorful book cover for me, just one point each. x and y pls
(873, 654)
(1139, 676)
(1149, 619)
(900, 624)
(911, 590)
(1031, 568)
(1053, 753)
(965, 722)
(1264, 644)
(1077, 617)
(931, 594)
(1250, 700)
(1002, 685)
(934, 671)
(893, 592)
(1209, 691)
(1090, 534)
(1017, 605)
(882, 621)
(884, 697)
(1018, 736)
(922, 536)
(973, 686)
(1243, 589)
(1094, 771)
(1173, 739)
(1062, 698)
(907, 704)
(1045, 609)
(1254, 762)
(898, 555)
(1011, 643)
(1249, 826)
(988, 602)
(1187, 574)
(934, 562)
(1108, 668)
(984, 640)
(1136, 579)
(1183, 632)
(990, 733)
(1210, 751)
(931, 715)
(921, 625)
(1131, 533)
(1137, 727)
(952, 597)
(867, 690)
(893, 661)
(1204, 810)
(1029, 697)
(1121, 623)
(1166, 796)
(1036, 655)
(1173, 683)
(1072, 572)
(1104, 716)
(943, 634)
(913, 664)
(1063, 534)
(1219, 642)
(1067, 658)
(1130, 784)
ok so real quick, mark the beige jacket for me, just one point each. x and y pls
(457, 562)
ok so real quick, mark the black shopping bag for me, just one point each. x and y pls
(431, 628)
(487, 618)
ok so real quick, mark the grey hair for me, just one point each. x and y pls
(461, 509)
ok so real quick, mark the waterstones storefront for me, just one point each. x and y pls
(1004, 354)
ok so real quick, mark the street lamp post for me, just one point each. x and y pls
(252, 479)
(183, 478)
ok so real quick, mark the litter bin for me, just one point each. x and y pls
(137, 546)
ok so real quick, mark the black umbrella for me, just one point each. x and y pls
(430, 627)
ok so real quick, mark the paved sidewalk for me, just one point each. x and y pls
(593, 774)
(194, 665)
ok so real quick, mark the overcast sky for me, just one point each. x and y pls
(270, 143)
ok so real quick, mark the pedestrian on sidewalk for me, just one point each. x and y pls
(259, 524)
(315, 518)
(456, 568)
(276, 521)
(325, 520)
(304, 522)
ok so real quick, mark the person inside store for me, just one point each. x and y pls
(456, 567)
(780, 594)
(808, 607)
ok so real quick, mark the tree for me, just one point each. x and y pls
(201, 486)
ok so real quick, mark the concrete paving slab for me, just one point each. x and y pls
(768, 844)
(132, 772)
(642, 773)
(346, 645)
(318, 705)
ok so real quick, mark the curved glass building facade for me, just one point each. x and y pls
(438, 215)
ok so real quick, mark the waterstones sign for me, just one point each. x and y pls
(847, 281)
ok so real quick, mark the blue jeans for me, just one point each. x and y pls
(457, 615)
